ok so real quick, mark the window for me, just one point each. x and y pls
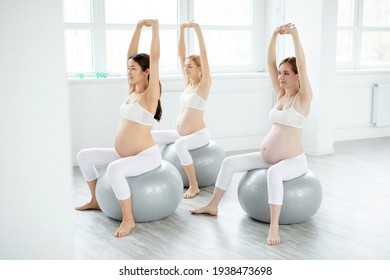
(98, 33)
(78, 38)
(363, 34)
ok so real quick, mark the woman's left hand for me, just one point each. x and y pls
(190, 24)
(288, 28)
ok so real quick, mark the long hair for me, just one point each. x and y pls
(143, 60)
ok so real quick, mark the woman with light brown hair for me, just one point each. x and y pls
(281, 151)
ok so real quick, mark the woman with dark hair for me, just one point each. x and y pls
(135, 151)
(191, 132)
(281, 151)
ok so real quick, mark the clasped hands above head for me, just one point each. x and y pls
(147, 22)
(189, 24)
(287, 28)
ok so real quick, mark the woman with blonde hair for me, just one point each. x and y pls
(191, 132)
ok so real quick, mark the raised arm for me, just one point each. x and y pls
(206, 76)
(271, 60)
(182, 51)
(133, 47)
(153, 92)
(305, 91)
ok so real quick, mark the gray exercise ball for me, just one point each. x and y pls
(154, 195)
(207, 161)
(301, 200)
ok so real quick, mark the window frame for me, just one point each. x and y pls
(357, 30)
(98, 29)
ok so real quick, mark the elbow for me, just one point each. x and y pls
(154, 55)
(271, 61)
(181, 54)
(301, 65)
(203, 54)
(154, 59)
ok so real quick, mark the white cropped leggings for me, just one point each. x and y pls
(277, 173)
(183, 144)
(118, 168)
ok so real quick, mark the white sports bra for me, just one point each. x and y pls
(189, 98)
(288, 117)
(133, 111)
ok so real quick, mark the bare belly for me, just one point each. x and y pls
(280, 143)
(132, 138)
(189, 121)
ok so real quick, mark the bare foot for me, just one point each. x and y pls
(92, 205)
(213, 211)
(124, 229)
(192, 192)
(273, 237)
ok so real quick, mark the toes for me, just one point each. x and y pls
(273, 241)
(190, 194)
(187, 195)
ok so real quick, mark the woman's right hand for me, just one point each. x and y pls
(289, 28)
(284, 29)
(190, 24)
(279, 30)
(147, 22)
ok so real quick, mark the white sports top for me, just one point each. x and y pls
(288, 117)
(133, 111)
(189, 98)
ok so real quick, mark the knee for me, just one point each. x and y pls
(183, 153)
(81, 156)
(273, 174)
(227, 164)
(112, 170)
(180, 146)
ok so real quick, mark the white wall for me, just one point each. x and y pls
(35, 174)
(354, 106)
(237, 111)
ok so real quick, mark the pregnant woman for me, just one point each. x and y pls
(281, 150)
(135, 152)
(191, 132)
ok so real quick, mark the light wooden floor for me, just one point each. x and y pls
(352, 223)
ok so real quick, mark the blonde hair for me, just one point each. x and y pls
(195, 58)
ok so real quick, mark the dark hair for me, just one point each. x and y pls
(292, 61)
(143, 60)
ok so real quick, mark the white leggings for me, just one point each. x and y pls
(118, 168)
(183, 144)
(277, 173)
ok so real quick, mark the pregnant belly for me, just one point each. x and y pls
(132, 139)
(281, 143)
(189, 121)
